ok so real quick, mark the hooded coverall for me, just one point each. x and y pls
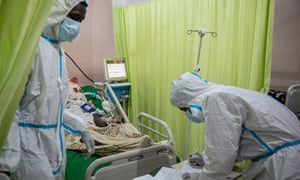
(241, 125)
(35, 145)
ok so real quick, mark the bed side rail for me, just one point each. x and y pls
(130, 164)
(167, 135)
(293, 99)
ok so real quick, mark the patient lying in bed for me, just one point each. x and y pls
(110, 134)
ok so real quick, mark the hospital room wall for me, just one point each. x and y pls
(96, 41)
(286, 45)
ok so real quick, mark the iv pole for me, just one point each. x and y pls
(201, 33)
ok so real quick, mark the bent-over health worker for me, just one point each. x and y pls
(38, 152)
(240, 125)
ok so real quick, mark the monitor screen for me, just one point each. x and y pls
(115, 69)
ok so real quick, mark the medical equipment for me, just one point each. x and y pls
(115, 69)
(201, 33)
(116, 74)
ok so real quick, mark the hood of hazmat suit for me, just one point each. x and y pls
(58, 13)
(42, 118)
(241, 124)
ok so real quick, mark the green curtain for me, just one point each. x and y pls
(21, 23)
(152, 36)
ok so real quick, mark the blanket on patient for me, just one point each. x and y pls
(111, 139)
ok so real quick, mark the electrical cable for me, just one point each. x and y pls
(84, 74)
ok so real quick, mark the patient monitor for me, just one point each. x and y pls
(115, 69)
(117, 77)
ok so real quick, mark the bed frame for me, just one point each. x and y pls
(138, 162)
(293, 99)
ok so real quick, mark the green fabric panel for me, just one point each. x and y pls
(77, 165)
(152, 36)
(92, 97)
(21, 23)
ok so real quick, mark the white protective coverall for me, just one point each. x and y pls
(241, 125)
(41, 117)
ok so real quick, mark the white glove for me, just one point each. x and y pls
(4, 176)
(196, 160)
(190, 176)
(89, 143)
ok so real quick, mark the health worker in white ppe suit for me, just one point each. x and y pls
(240, 125)
(41, 118)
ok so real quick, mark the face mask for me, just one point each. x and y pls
(195, 115)
(69, 30)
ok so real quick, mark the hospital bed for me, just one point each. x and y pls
(130, 163)
(134, 163)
